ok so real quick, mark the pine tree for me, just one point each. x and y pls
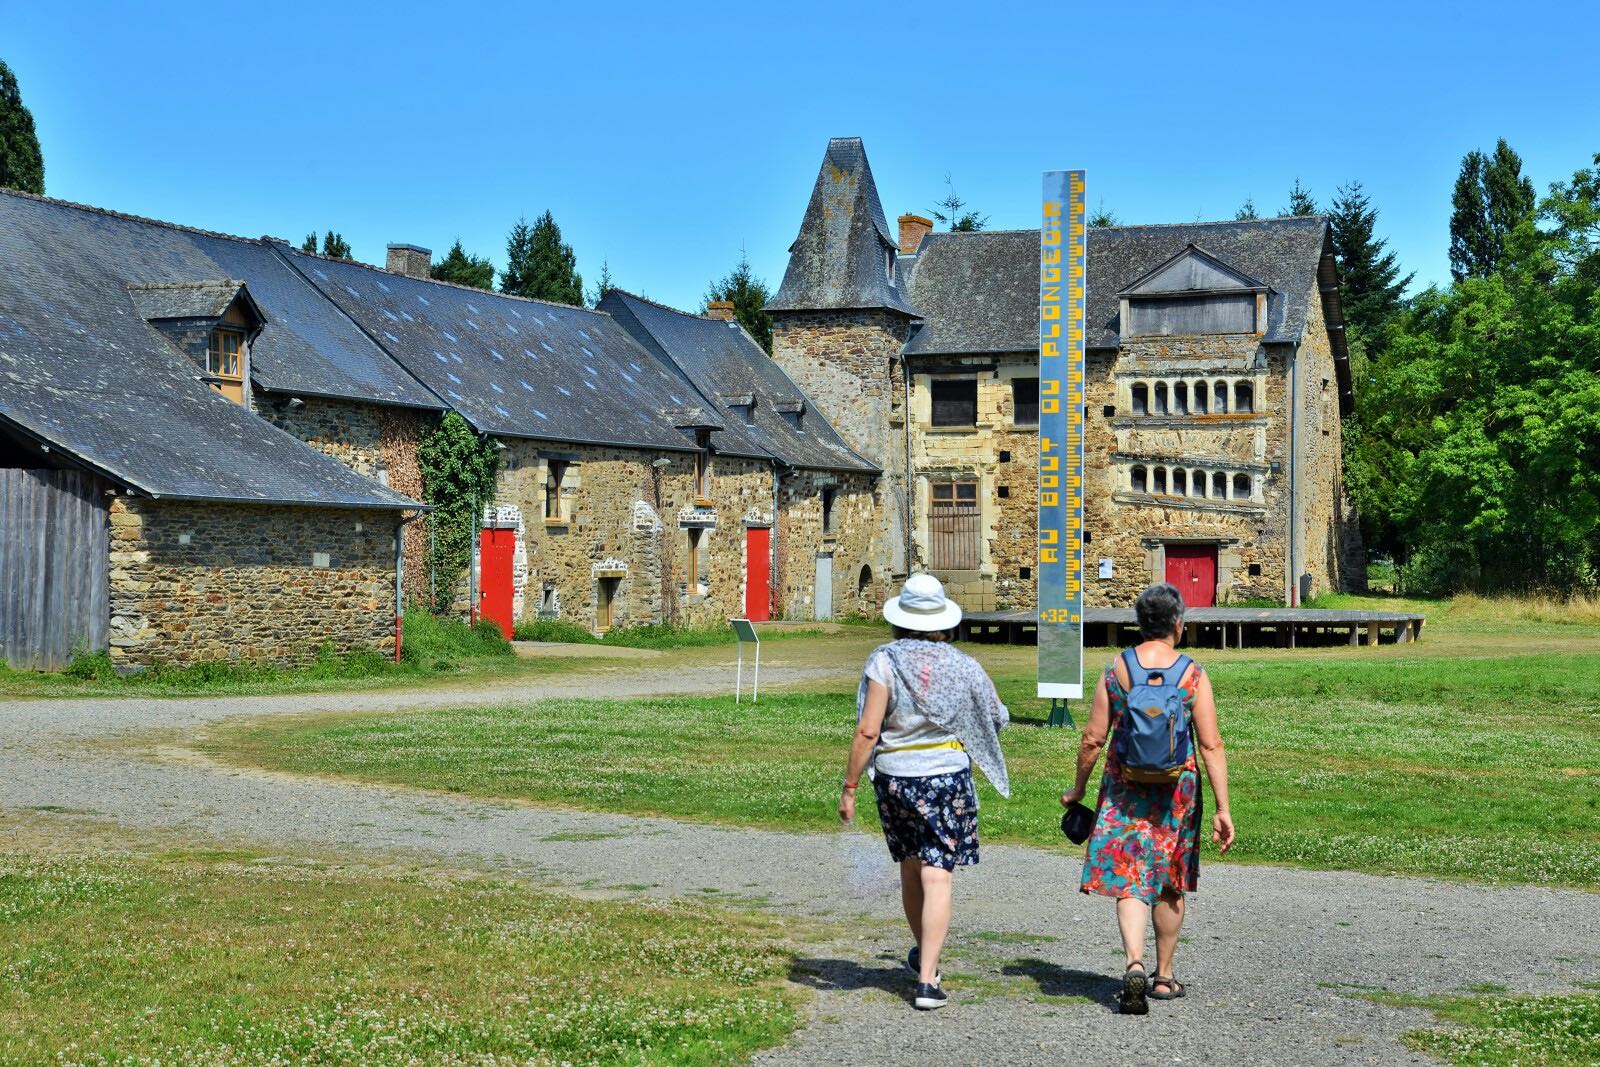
(1508, 195)
(604, 285)
(1491, 199)
(1102, 216)
(953, 216)
(1369, 276)
(1247, 210)
(540, 265)
(749, 295)
(334, 246)
(21, 162)
(1301, 201)
(463, 269)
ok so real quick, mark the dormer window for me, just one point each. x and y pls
(888, 263)
(793, 412)
(1193, 293)
(225, 363)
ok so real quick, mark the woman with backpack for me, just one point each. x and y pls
(926, 714)
(1145, 846)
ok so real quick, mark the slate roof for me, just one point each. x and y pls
(512, 366)
(83, 371)
(838, 259)
(979, 292)
(730, 369)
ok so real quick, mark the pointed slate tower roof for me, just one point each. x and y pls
(845, 254)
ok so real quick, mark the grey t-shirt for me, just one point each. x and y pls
(904, 725)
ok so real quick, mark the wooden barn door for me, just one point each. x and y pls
(496, 551)
(1193, 569)
(54, 567)
(758, 573)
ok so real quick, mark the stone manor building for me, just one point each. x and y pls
(1217, 376)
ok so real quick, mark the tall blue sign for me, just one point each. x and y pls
(1063, 256)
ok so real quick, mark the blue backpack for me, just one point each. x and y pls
(1153, 737)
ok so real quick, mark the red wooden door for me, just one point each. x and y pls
(758, 573)
(495, 550)
(1193, 569)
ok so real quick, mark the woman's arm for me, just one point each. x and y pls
(1216, 761)
(866, 739)
(1094, 739)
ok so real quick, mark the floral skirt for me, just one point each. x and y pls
(932, 819)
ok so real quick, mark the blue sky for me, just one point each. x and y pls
(665, 137)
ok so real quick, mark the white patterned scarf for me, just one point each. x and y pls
(950, 688)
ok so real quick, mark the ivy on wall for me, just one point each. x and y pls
(458, 468)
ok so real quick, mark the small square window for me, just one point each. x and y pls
(1255, 570)
(1005, 456)
(1025, 573)
(1109, 411)
(1005, 492)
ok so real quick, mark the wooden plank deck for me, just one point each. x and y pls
(1215, 627)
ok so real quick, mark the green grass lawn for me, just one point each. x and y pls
(1491, 1029)
(213, 958)
(1416, 759)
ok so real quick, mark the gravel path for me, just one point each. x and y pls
(1267, 949)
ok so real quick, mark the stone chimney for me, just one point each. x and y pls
(913, 228)
(411, 260)
(720, 309)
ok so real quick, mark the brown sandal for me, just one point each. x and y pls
(1175, 988)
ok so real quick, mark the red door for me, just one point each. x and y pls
(495, 550)
(758, 573)
(1193, 569)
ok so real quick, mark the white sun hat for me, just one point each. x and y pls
(922, 605)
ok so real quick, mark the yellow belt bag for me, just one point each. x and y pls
(925, 747)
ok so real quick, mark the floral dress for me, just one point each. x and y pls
(1146, 837)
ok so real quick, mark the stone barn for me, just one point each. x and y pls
(143, 507)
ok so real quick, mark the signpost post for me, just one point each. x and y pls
(1063, 259)
(745, 631)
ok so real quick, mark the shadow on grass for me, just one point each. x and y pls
(833, 974)
(1055, 980)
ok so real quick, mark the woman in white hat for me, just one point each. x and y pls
(926, 712)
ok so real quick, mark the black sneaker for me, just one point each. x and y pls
(914, 964)
(929, 997)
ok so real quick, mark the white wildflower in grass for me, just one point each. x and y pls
(184, 962)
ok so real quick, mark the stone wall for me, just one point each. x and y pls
(192, 582)
(377, 440)
(848, 363)
(853, 542)
(1330, 541)
(626, 516)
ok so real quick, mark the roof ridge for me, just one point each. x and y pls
(664, 307)
(1138, 226)
(128, 216)
(448, 284)
(185, 285)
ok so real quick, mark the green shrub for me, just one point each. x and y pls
(90, 666)
(555, 630)
(428, 638)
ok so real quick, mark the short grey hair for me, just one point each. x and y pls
(1159, 609)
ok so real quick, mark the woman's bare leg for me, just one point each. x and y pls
(1169, 920)
(911, 896)
(937, 890)
(1133, 917)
